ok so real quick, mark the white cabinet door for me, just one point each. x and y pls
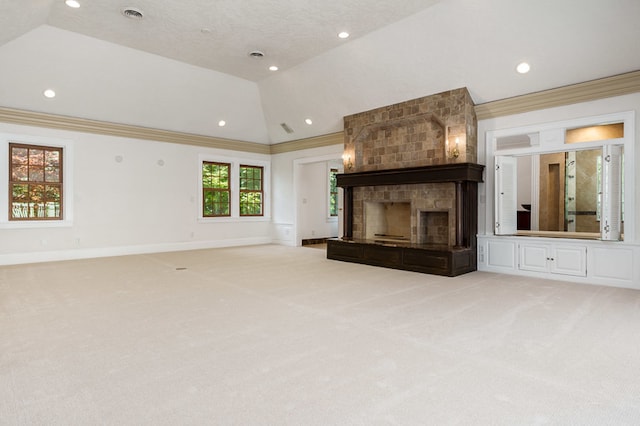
(501, 254)
(557, 259)
(534, 257)
(569, 260)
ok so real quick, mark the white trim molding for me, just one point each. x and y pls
(90, 253)
(39, 119)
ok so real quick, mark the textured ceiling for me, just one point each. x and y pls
(216, 34)
(95, 58)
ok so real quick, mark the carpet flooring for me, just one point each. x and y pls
(274, 335)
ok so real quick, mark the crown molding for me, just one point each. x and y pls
(617, 85)
(308, 143)
(38, 119)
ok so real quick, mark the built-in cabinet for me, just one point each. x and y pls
(575, 179)
(594, 262)
(553, 258)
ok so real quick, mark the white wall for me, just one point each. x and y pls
(132, 206)
(600, 107)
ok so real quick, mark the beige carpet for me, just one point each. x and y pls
(273, 335)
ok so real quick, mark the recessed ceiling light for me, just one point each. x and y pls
(523, 68)
(222, 123)
(49, 93)
(273, 68)
(72, 3)
(308, 121)
(343, 34)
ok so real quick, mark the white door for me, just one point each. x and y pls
(611, 220)
(506, 199)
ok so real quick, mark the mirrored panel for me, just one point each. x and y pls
(562, 192)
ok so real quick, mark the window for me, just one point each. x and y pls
(598, 132)
(251, 190)
(35, 182)
(233, 189)
(216, 200)
(333, 192)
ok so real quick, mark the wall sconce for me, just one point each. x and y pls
(453, 152)
(458, 135)
(346, 159)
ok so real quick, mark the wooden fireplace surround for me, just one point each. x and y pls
(448, 260)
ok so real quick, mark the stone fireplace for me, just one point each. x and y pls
(410, 182)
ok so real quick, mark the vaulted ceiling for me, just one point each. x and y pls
(185, 65)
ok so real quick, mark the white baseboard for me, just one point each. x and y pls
(288, 243)
(88, 253)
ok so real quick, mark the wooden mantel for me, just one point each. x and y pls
(462, 174)
(450, 260)
(455, 172)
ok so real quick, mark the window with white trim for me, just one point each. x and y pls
(35, 182)
(233, 189)
(38, 181)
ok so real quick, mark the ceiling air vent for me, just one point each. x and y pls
(256, 54)
(133, 13)
(286, 128)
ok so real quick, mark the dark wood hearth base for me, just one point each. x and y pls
(426, 258)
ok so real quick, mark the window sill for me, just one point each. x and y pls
(560, 234)
(36, 224)
(234, 219)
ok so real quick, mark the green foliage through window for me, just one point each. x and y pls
(333, 192)
(251, 190)
(216, 200)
